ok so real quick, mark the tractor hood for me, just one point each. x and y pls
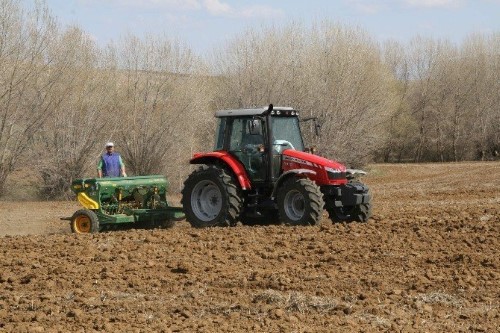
(324, 171)
(313, 161)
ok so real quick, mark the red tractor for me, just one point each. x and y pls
(261, 171)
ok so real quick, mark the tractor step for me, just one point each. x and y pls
(267, 204)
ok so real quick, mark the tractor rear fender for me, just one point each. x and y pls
(290, 174)
(228, 160)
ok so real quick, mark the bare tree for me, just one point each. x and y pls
(451, 95)
(259, 67)
(85, 117)
(350, 90)
(157, 101)
(400, 124)
(27, 79)
(480, 71)
(329, 71)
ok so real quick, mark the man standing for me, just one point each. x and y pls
(111, 164)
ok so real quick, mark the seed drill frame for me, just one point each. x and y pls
(110, 203)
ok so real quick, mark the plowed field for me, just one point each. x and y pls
(428, 261)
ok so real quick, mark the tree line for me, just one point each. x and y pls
(62, 95)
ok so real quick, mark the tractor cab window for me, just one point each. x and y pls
(245, 134)
(237, 132)
(221, 129)
(245, 142)
(286, 134)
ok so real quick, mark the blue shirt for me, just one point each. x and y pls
(110, 164)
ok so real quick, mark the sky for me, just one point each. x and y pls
(207, 24)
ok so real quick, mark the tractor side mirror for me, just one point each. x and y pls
(316, 124)
(254, 127)
(317, 128)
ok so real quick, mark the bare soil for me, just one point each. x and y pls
(428, 261)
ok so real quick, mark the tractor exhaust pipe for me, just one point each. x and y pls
(269, 137)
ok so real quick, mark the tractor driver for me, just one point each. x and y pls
(252, 139)
(111, 164)
(252, 145)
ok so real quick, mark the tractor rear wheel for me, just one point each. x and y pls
(300, 202)
(211, 198)
(84, 221)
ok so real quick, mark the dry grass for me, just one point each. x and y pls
(440, 298)
(374, 320)
(296, 301)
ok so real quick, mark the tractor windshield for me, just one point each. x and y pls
(286, 133)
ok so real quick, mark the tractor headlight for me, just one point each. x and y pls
(335, 173)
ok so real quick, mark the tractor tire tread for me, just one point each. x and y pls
(232, 208)
(314, 196)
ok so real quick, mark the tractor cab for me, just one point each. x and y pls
(258, 141)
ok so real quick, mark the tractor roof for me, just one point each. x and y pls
(250, 112)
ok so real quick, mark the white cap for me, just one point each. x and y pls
(109, 144)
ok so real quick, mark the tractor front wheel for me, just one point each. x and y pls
(84, 221)
(300, 202)
(211, 198)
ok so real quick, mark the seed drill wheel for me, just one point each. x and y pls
(300, 202)
(211, 198)
(84, 221)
